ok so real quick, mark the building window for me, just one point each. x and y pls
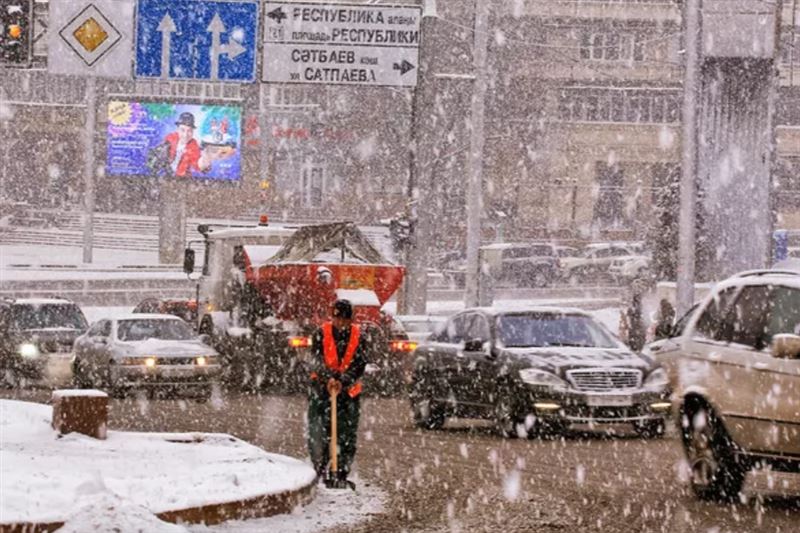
(313, 186)
(611, 104)
(611, 46)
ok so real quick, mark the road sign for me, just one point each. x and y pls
(91, 37)
(197, 40)
(356, 44)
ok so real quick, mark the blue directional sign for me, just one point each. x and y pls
(197, 40)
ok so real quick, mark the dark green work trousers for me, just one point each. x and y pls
(319, 431)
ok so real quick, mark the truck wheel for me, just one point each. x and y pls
(716, 472)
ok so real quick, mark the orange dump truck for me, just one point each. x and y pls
(266, 289)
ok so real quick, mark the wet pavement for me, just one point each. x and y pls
(466, 478)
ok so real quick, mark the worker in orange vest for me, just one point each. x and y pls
(337, 365)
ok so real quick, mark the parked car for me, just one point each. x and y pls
(736, 379)
(630, 267)
(182, 308)
(36, 338)
(145, 351)
(535, 369)
(596, 259)
(521, 265)
(568, 251)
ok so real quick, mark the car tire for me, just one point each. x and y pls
(507, 419)
(715, 471)
(81, 379)
(651, 429)
(427, 414)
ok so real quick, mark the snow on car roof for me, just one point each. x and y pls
(42, 301)
(503, 245)
(523, 307)
(786, 278)
(146, 316)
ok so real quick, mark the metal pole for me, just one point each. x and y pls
(421, 209)
(691, 93)
(89, 169)
(474, 198)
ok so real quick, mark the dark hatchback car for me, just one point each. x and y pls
(535, 370)
(37, 337)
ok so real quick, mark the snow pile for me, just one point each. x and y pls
(107, 513)
(43, 477)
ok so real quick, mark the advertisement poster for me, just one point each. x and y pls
(164, 139)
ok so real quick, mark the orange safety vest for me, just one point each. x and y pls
(331, 355)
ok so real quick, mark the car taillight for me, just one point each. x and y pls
(300, 342)
(402, 346)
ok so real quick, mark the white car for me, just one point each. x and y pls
(596, 259)
(148, 351)
(419, 327)
(735, 376)
(629, 267)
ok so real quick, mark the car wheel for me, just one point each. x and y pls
(507, 420)
(650, 429)
(80, 378)
(427, 413)
(715, 472)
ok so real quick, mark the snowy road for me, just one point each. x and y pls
(465, 478)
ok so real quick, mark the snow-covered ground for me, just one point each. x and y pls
(45, 478)
(330, 509)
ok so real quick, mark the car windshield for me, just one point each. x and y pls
(140, 330)
(540, 330)
(48, 316)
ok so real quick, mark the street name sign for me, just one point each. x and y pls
(354, 44)
(197, 40)
(91, 38)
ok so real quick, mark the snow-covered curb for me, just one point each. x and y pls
(44, 479)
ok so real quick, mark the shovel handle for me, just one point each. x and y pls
(334, 436)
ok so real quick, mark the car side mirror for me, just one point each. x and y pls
(785, 346)
(474, 345)
(188, 261)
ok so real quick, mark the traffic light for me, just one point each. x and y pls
(16, 20)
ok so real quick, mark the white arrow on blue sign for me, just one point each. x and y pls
(197, 40)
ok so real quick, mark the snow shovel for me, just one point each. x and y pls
(333, 481)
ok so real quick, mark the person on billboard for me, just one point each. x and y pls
(185, 155)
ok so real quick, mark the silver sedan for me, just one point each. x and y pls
(145, 351)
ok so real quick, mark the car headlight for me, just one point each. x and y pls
(657, 378)
(532, 376)
(28, 350)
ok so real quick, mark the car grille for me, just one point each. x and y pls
(175, 360)
(604, 379)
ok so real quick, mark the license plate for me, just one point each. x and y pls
(610, 400)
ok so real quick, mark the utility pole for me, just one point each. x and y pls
(474, 198)
(89, 168)
(689, 156)
(419, 210)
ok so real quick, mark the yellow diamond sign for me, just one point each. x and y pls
(90, 35)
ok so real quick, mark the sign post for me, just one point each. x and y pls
(351, 44)
(90, 39)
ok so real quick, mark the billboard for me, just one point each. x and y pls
(166, 139)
